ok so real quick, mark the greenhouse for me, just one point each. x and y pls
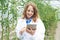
(12, 10)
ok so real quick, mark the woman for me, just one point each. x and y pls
(30, 16)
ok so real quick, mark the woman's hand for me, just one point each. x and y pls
(30, 31)
(33, 32)
(22, 30)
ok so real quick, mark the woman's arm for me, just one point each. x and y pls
(22, 30)
(19, 28)
(40, 33)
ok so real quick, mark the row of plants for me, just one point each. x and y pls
(8, 17)
(10, 11)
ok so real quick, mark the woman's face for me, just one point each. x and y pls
(29, 12)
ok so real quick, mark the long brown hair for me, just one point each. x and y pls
(35, 16)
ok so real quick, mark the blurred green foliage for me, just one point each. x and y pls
(46, 13)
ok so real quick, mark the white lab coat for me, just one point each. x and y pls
(39, 34)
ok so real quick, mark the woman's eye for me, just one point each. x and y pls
(28, 10)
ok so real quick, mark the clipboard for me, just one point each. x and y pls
(31, 26)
